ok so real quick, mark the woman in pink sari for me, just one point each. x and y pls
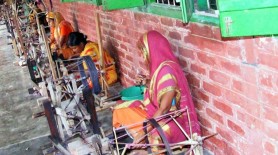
(168, 91)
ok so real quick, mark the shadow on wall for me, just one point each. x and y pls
(114, 54)
(75, 22)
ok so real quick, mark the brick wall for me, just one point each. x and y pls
(234, 82)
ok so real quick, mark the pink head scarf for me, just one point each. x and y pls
(159, 51)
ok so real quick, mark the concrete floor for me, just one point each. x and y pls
(18, 131)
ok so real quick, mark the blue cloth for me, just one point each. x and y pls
(174, 101)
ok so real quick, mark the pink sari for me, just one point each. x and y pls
(166, 75)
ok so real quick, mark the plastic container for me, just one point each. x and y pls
(133, 93)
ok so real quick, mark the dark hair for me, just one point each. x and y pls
(75, 38)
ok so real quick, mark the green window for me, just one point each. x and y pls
(234, 17)
(181, 9)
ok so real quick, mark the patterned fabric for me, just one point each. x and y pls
(91, 49)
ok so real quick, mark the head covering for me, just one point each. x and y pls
(159, 56)
(50, 15)
(58, 18)
(158, 48)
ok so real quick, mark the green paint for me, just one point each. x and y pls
(186, 10)
(163, 10)
(202, 5)
(121, 4)
(233, 5)
(95, 2)
(204, 19)
(175, 12)
(249, 22)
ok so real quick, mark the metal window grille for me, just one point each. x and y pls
(212, 4)
(169, 2)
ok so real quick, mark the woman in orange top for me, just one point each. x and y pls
(62, 29)
(78, 43)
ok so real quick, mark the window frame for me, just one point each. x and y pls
(167, 11)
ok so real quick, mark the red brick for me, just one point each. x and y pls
(251, 53)
(226, 134)
(166, 21)
(233, 51)
(198, 69)
(175, 35)
(223, 107)
(219, 77)
(194, 42)
(193, 80)
(234, 97)
(252, 122)
(270, 113)
(215, 116)
(204, 58)
(180, 24)
(271, 131)
(268, 60)
(230, 67)
(266, 79)
(236, 128)
(249, 74)
(187, 53)
(216, 33)
(204, 122)
(198, 94)
(123, 47)
(201, 30)
(231, 150)
(213, 46)
(151, 18)
(237, 99)
(270, 99)
(217, 142)
(269, 147)
(237, 85)
(183, 62)
(266, 44)
(198, 105)
(213, 89)
(251, 91)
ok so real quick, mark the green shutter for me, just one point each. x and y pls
(121, 4)
(202, 5)
(248, 17)
(234, 5)
(186, 9)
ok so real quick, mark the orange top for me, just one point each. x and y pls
(65, 28)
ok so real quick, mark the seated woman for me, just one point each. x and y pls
(168, 91)
(81, 46)
(62, 30)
